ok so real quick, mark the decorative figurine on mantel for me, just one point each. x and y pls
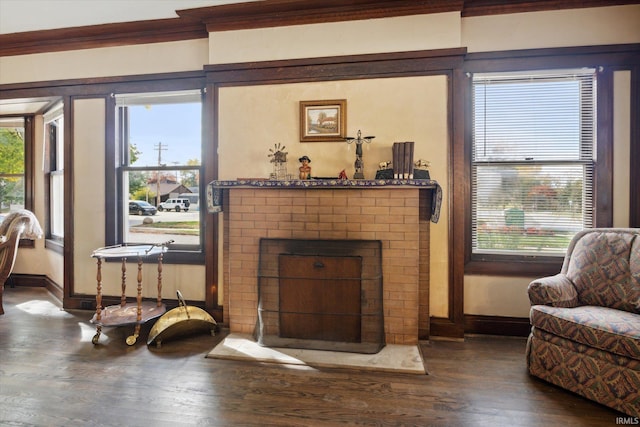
(421, 169)
(359, 164)
(305, 169)
(279, 160)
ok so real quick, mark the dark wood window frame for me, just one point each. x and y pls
(113, 202)
(606, 60)
(54, 243)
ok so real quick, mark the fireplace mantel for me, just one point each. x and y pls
(397, 213)
(215, 188)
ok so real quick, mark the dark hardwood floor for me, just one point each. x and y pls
(52, 375)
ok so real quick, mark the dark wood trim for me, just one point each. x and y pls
(99, 86)
(514, 268)
(606, 59)
(198, 22)
(561, 57)
(349, 67)
(445, 327)
(458, 192)
(603, 174)
(29, 162)
(278, 13)
(211, 226)
(497, 325)
(634, 158)
(106, 35)
(88, 302)
(500, 7)
(68, 262)
(37, 280)
(112, 232)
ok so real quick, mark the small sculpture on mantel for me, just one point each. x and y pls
(279, 161)
(421, 169)
(305, 169)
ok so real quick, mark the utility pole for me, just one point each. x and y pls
(160, 149)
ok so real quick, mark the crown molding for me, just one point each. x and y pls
(105, 35)
(501, 7)
(199, 22)
(277, 13)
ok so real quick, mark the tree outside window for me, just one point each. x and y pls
(12, 164)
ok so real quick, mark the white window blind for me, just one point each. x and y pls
(532, 160)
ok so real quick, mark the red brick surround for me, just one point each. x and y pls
(396, 216)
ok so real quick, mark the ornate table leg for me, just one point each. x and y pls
(131, 340)
(159, 280)
(123, 297)
(96, 337)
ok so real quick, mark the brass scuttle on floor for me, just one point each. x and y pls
(181, 321)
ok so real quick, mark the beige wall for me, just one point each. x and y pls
(572, 27)
(434, 31)
(621, 147)
(255, 118)
(387, 108)
(104, 62)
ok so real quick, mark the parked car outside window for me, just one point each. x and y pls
(175, 204)
(140, 207)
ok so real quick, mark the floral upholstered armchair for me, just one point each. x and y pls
(585, 334)
(16, 225)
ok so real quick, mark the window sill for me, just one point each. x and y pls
(517, 267)
(54, 245)
(173, 257)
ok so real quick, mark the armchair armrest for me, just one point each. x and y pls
(556, 291)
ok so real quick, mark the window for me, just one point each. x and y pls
(533, 139)
(54, 172)
(12, 164)
(159, 156)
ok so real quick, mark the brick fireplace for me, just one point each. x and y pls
(396, 215)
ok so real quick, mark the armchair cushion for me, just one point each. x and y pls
(603, 328)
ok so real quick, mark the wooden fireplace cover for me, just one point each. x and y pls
(320, 297)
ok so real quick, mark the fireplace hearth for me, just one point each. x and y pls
(321, 295)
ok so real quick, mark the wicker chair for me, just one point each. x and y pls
(17, 225)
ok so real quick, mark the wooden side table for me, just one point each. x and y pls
(132, 313)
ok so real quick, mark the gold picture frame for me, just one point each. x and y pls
(322, 121)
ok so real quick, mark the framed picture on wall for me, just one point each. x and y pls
(323, 120)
